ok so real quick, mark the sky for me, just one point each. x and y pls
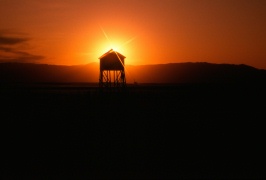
(73, 32)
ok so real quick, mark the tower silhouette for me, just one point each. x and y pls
(112, 70)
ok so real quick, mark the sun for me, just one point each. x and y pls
(115, 48)
(116, 45)
(105, 42)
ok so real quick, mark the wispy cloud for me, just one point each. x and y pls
(11, 40)
(10, 48)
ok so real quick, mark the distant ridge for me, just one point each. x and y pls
(35, 73)
(200, 72)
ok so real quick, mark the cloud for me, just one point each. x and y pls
(11, 40)
(12, 55)
(10, 48)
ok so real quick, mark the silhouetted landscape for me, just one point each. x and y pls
(183, 120)
(132, 89)
(162, 73)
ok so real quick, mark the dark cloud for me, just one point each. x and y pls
(18, 56)
(10, 51)
(27, 57)
(6, 49)
(11, 40)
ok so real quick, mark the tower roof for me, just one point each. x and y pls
(111, 51)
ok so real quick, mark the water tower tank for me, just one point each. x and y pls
(112, 70)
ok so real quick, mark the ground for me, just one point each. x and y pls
(191, 131)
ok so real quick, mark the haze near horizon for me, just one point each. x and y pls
(146, 32)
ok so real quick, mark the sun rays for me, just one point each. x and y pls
(103, 41)
(115, 45)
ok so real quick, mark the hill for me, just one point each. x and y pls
(197, 73)
(161, 73)
(31, 73)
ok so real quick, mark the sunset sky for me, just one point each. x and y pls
(71, 32)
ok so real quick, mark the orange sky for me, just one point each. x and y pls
(73, 32)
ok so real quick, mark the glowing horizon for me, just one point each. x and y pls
(70, 33)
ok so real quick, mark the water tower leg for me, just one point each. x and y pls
(101, 79)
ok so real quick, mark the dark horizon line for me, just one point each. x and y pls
(169, 63)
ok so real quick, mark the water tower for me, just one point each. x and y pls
(112, 70)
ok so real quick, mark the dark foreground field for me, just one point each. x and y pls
(53, 131)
